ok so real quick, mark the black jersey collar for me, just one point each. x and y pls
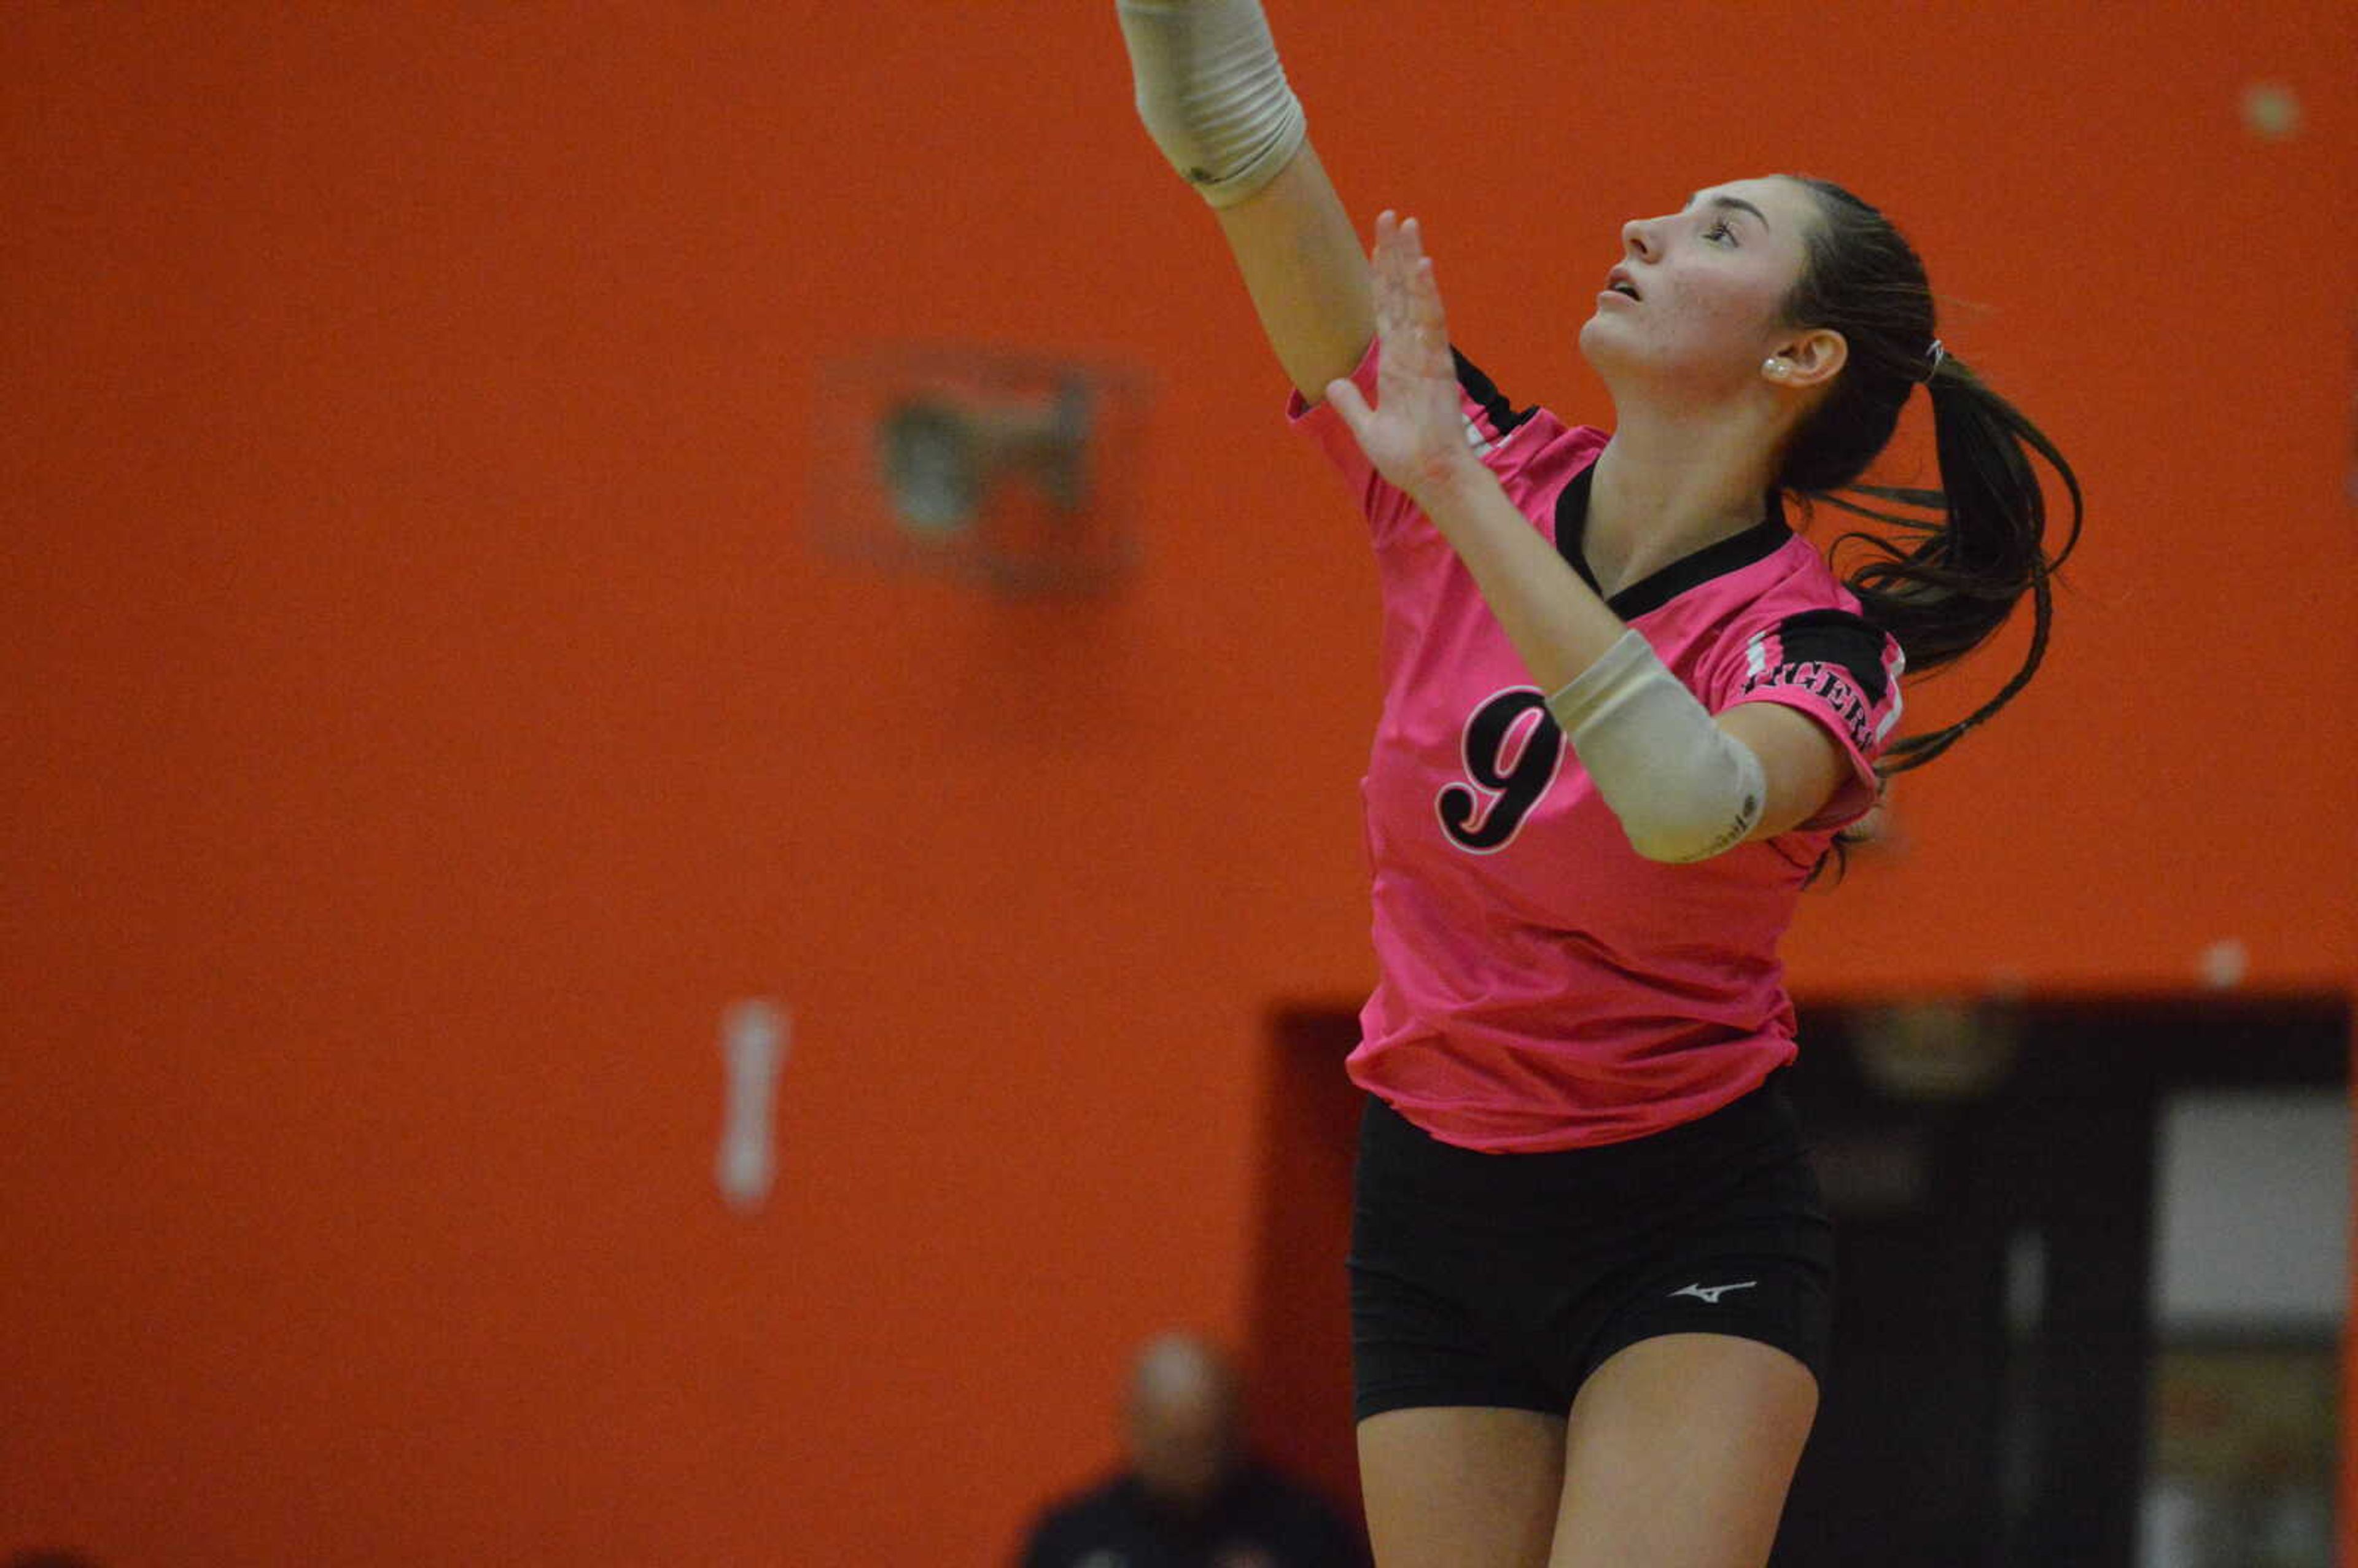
(1757, 542)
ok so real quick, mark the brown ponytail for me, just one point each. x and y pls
(1955, 571)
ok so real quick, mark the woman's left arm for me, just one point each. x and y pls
(1685, 785)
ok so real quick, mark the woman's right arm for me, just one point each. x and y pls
(1306, 274)
(1212, 94)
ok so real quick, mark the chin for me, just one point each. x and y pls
(1588, 337)
(1605, 356)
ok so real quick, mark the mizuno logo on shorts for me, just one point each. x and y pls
(1710, 1294)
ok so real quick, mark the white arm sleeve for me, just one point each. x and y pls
(1212, 93)
(1684, 788)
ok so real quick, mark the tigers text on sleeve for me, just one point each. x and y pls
(1843, 671)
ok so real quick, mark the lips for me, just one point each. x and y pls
(1618, 281)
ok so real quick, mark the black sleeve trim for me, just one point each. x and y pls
(1837, 637)
(1503, 416)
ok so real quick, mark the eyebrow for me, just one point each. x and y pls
(1736, 201)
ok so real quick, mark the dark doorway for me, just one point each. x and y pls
(1992, 1168)
(1298, 1361)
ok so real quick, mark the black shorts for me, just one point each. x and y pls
(1504, 1280)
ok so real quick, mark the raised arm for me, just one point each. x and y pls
(1211, 92)
(1685, 784)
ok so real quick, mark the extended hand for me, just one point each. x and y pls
(1415, 436)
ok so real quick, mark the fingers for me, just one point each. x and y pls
(1420, 295)
(1409, 315)
(1400, 261)
(1384, 264)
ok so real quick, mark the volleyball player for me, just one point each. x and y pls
(1627, 713)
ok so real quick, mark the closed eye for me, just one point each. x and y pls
(1721, 229)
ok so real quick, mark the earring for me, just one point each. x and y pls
(1774, 367)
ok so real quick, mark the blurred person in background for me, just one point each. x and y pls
(1189, 1496)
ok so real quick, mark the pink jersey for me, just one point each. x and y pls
(1542, 985)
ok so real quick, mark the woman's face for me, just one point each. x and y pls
(1710, 282)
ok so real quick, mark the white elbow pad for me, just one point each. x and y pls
(1212, 93)
(1684, 788)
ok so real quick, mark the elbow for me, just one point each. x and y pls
(1683, 849)
(1684, 788)
(1680, 833)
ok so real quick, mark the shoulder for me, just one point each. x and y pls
(1829, 637)
(1829, 662)
(1079, 1519)
(1805, 615)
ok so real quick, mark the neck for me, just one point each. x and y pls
(1672, 481)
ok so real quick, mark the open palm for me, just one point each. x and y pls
(1415, 434)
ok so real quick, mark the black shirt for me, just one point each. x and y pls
(1259, 1519)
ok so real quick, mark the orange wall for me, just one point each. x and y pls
(427, 714)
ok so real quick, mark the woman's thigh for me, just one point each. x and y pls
(1451, 1485)
(1679, 1454)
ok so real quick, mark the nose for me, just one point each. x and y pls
(1638, 236)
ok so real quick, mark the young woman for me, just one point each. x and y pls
(1627, 713)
